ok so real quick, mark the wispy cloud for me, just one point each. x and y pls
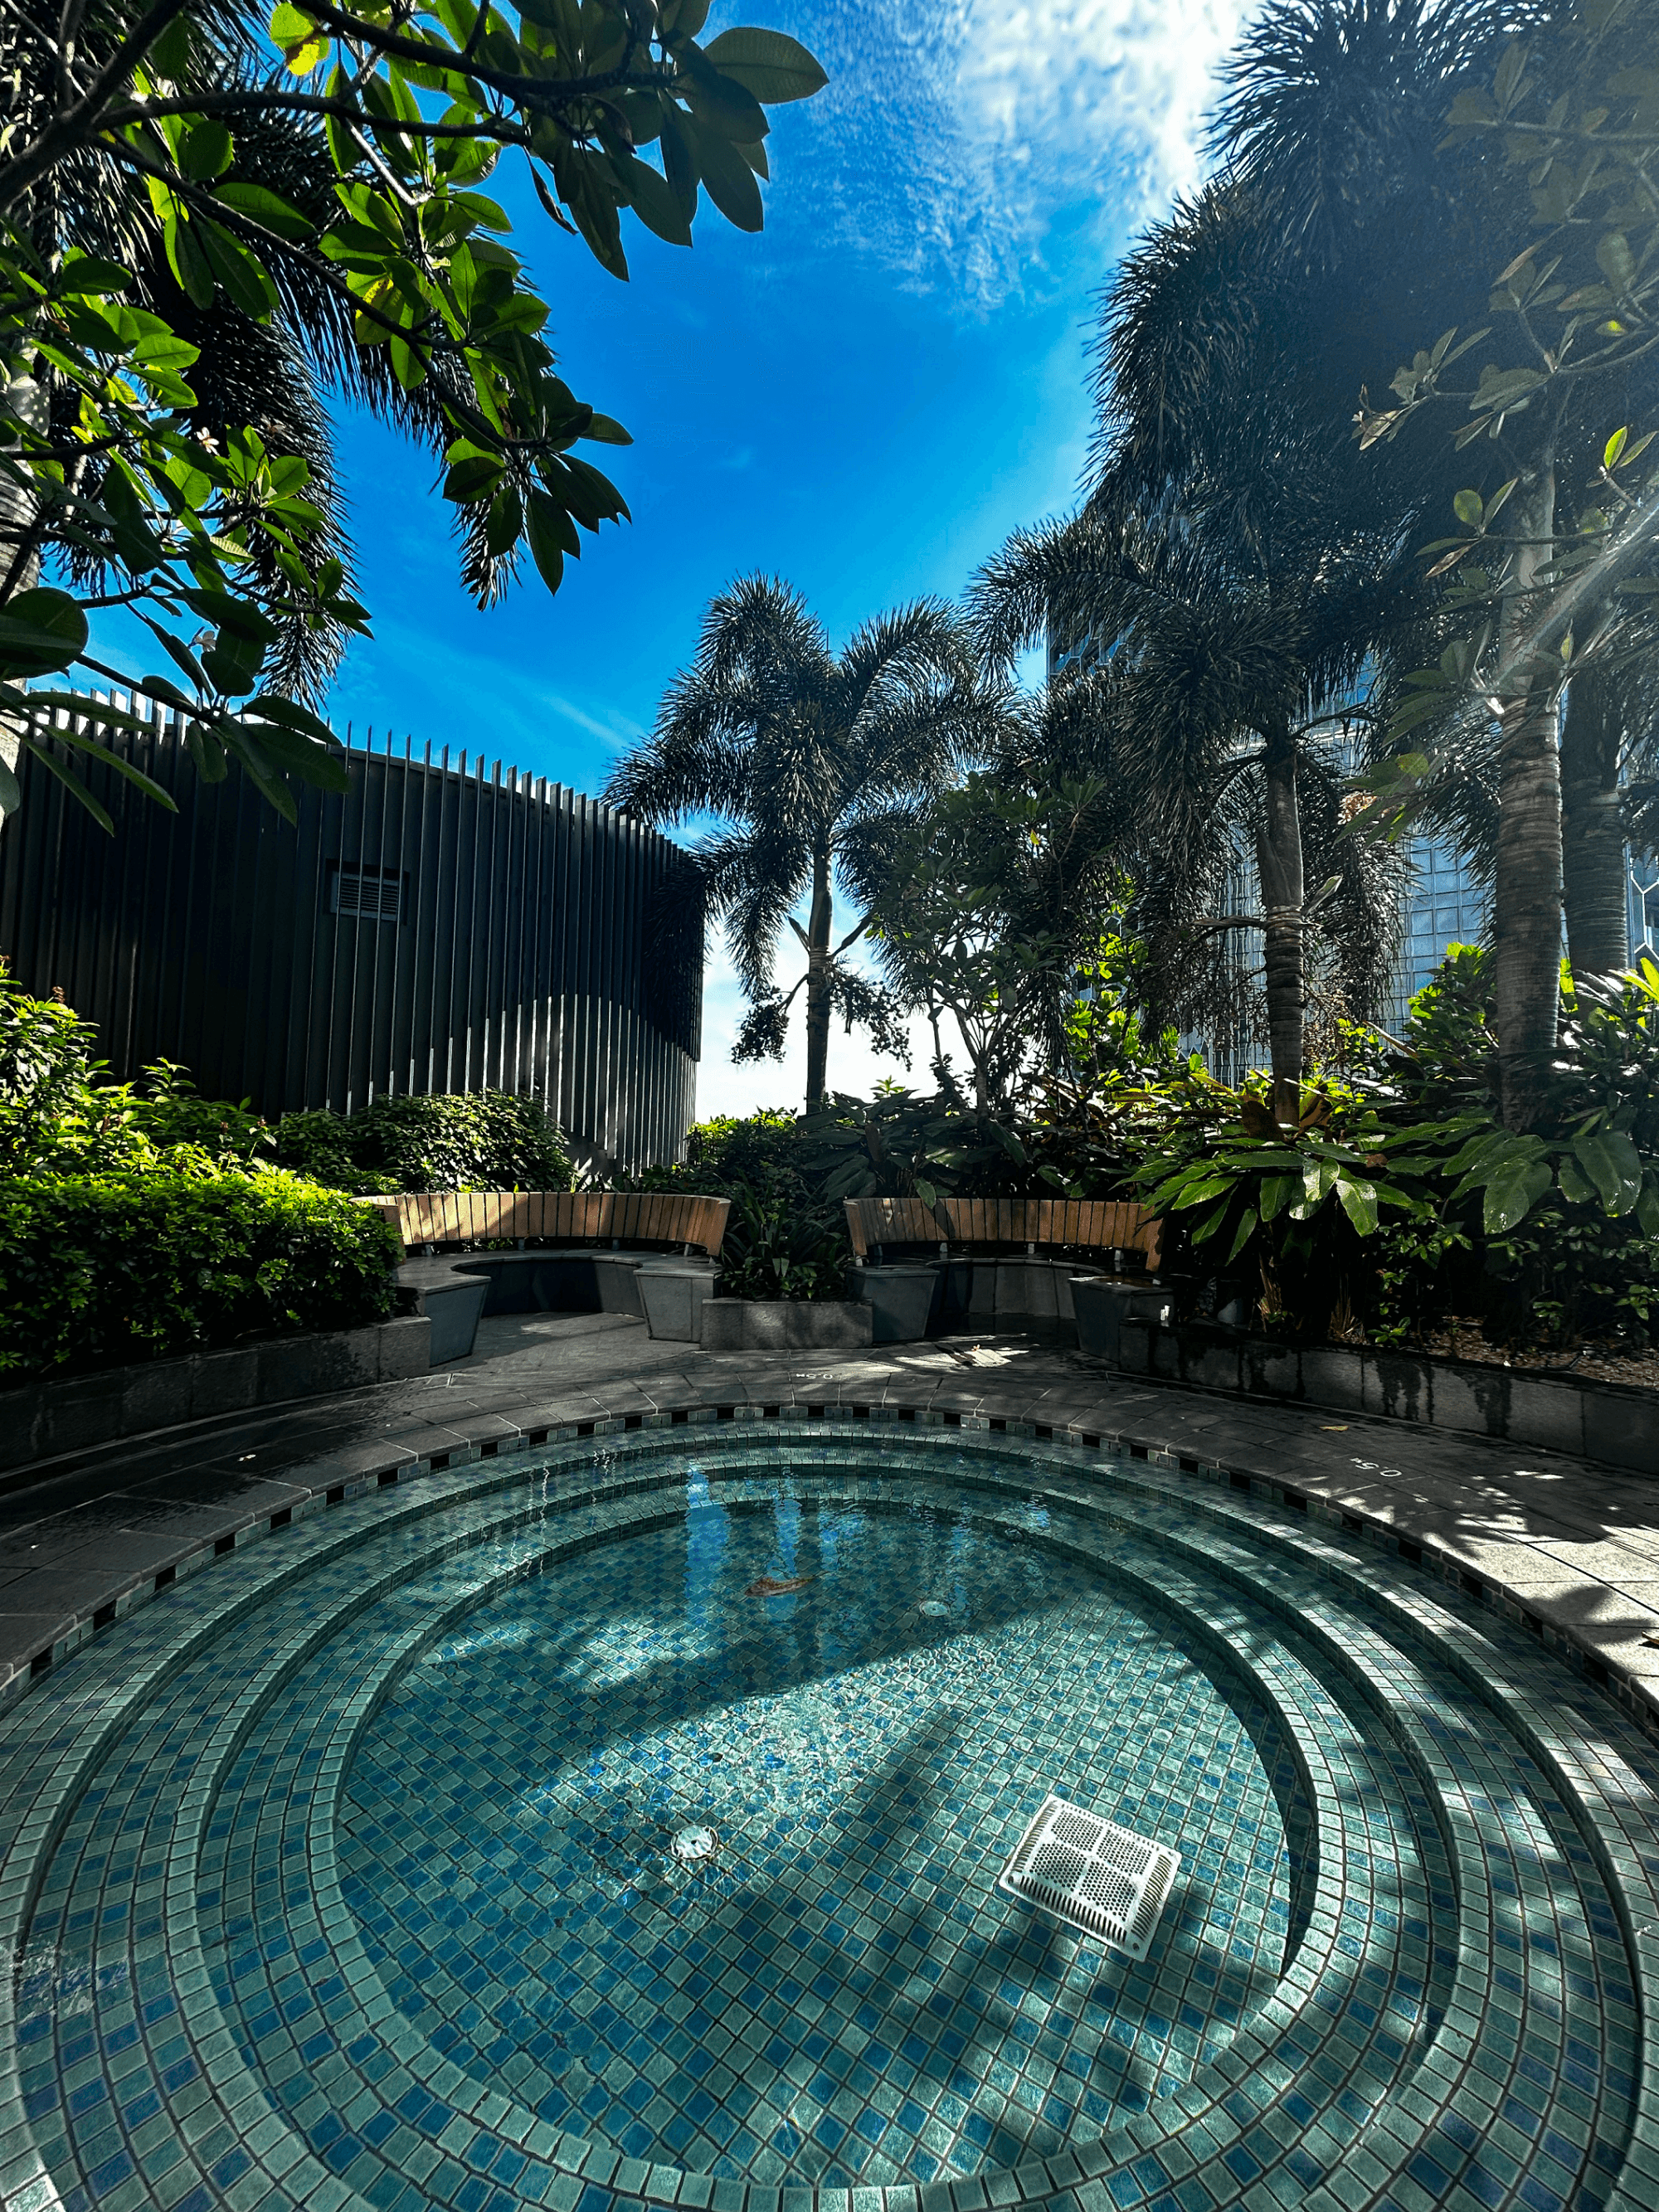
(969, 130)
(522, 712)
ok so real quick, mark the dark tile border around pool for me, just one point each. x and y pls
(92, 1601)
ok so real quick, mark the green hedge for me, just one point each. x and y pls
(98, 1270)
(476, 1140)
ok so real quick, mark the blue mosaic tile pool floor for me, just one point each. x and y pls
(344, 1880)
(866, 1766)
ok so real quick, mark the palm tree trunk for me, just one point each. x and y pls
(1593, 877)
(1278, 866)
(818, 978)
(1527, 899)
(27, 400)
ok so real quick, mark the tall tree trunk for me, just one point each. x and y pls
(1278, 866)
(27, 400)
(1593, 876)
(1526, 900)
(818, 978)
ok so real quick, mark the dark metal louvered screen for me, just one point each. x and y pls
(439, 927)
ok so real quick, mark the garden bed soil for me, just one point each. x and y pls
(1462, 1340)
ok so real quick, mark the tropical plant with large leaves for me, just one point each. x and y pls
(317, 175)
(811, 762)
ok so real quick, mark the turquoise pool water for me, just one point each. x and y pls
(348, 1876)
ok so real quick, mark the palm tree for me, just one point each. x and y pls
(1374, 238)
(1226, 669)
(806, 758)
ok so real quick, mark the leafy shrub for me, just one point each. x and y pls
(61, 1114)
(97, 1270)
(479, 1140)
(778, 1246)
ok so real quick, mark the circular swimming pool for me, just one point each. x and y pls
(622, 1824)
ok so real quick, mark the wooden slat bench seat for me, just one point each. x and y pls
(655, 1220)
(587, 1250)
(1042, 1226)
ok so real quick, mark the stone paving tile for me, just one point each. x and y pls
(1473, 1501)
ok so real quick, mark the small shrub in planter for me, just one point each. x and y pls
(98, 1270)
(778, 1245)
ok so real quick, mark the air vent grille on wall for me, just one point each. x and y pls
(371, 894)
(1092, 1874)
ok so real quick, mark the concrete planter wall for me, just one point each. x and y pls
(1103, 1302)
(786, 1324)
(84, 1411)
(1609, 1421)
(672, 1300)
(903, 1300)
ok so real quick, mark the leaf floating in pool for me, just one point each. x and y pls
(776, 1586)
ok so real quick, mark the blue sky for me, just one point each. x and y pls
(865, 399)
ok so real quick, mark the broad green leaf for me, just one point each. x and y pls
(1614, 446)
(729, 181)
(1246, 1231)
(206, 149)
(768, 63)
(722, 105)
(1276, 1194)
(82, 273)
(1208, 1187)
(1574, 1183)
(541, 524)
(1469, 506)
(504, 523)
(474, 478)
(1211, 1221)
(1513, 1191)
(292, 716)
(1647, 1208)
(1358, 1201)
(73, 785)
(267, 208)
(1614, 1165)
(657, 206)
(41, 632)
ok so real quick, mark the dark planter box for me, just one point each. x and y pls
(1612, 1422)
(786, 1324)
(454, 1310)
(902, 1299)
(673, 1299)
(1102, 1303)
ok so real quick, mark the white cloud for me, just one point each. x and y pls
(969, 132)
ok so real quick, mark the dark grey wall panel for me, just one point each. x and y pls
(435, 927)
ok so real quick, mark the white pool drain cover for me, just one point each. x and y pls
(1092, 1874)
(692, 1845)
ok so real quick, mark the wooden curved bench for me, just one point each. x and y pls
(656, 1220)
(1042, 1226)
(587, 1250)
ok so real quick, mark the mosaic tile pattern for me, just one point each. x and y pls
(881, 2014)
(1412, 1971)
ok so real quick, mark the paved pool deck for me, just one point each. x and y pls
(1566, 1546)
